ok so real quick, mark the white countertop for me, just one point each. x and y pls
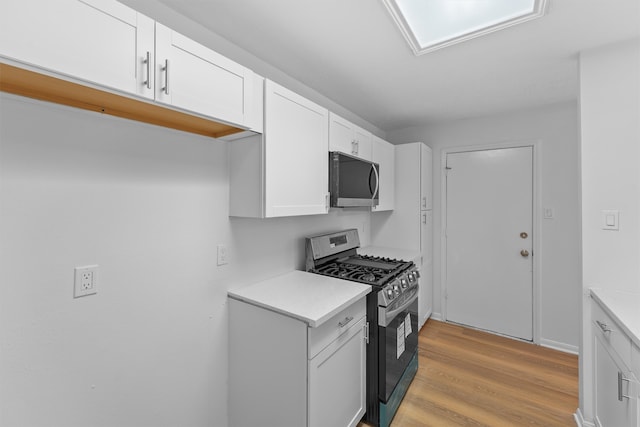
(311, 298)
(403, 254)
(624, 307)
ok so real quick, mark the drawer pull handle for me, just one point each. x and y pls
(604, 326)
(345, 321)
(620, 379)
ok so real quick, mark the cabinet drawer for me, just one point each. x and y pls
(605, 327)
(326, 333)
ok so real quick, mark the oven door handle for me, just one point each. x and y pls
(385, 317)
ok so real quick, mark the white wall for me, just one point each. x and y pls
(148, 205)
(610, 133)
(556, 127)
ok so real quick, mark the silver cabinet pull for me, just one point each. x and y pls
(621, 378)
(166, 77)
(345, 321)
(366, 332)
(353, 147)
(147, 62)
(603, 326)
(424, 203)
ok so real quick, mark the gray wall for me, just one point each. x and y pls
(148, 205)
(610, 128)
(556, 127)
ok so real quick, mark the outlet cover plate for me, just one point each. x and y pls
(85, 281)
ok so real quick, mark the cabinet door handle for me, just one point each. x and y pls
(604, 326)
(166, 77)
(147, 62)
(424, 202)
(621, 378)
(424, 218)
(353, 147)
(366, 332)
(345, 321)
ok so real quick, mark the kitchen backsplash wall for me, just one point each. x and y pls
(149, 206)
(555, 127)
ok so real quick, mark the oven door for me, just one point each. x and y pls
(398, 343)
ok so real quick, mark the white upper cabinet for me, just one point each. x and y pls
(383, 153)
(114, 48)
(283, 172)
(195, 78)
(101, 42)
(426, 178)
(296, 158)
(348, 138)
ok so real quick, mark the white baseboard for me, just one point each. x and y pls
(580, 421)
(437, 316)
(567, 348)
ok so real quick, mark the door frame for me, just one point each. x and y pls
(536, 146)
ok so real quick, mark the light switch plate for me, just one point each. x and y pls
(611, 220)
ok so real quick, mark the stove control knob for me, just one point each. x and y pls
(396, 288)
(390, 293)
(417, 273)
(411, 277)
(404, 283)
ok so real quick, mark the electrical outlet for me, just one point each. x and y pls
(86, 281)
(223, 255)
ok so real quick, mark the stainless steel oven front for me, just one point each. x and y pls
(397, 350)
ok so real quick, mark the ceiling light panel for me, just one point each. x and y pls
(433, 24)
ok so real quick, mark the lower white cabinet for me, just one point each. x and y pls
(284, 373)
(615, 385)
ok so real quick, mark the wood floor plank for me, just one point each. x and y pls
(473, 378)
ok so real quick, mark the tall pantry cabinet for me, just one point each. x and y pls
(410, 225)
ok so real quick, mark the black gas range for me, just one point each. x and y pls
(392, 305)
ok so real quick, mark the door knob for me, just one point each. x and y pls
(524, 253)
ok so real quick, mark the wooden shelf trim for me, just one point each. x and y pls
(35, 85)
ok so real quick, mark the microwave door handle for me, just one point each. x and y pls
(374, 192)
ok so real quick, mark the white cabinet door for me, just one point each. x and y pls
(98, 41)
(296, 159)
(383, 153)
(337, 381)
(612, 408)
(426, 178)
(348, 138)
(425, 306)
(195, 78)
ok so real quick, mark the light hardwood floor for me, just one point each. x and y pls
(472, 378)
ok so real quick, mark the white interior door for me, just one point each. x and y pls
(489, 267)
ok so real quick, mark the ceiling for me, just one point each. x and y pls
(352, 52)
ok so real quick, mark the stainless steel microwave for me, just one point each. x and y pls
(353, 181)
